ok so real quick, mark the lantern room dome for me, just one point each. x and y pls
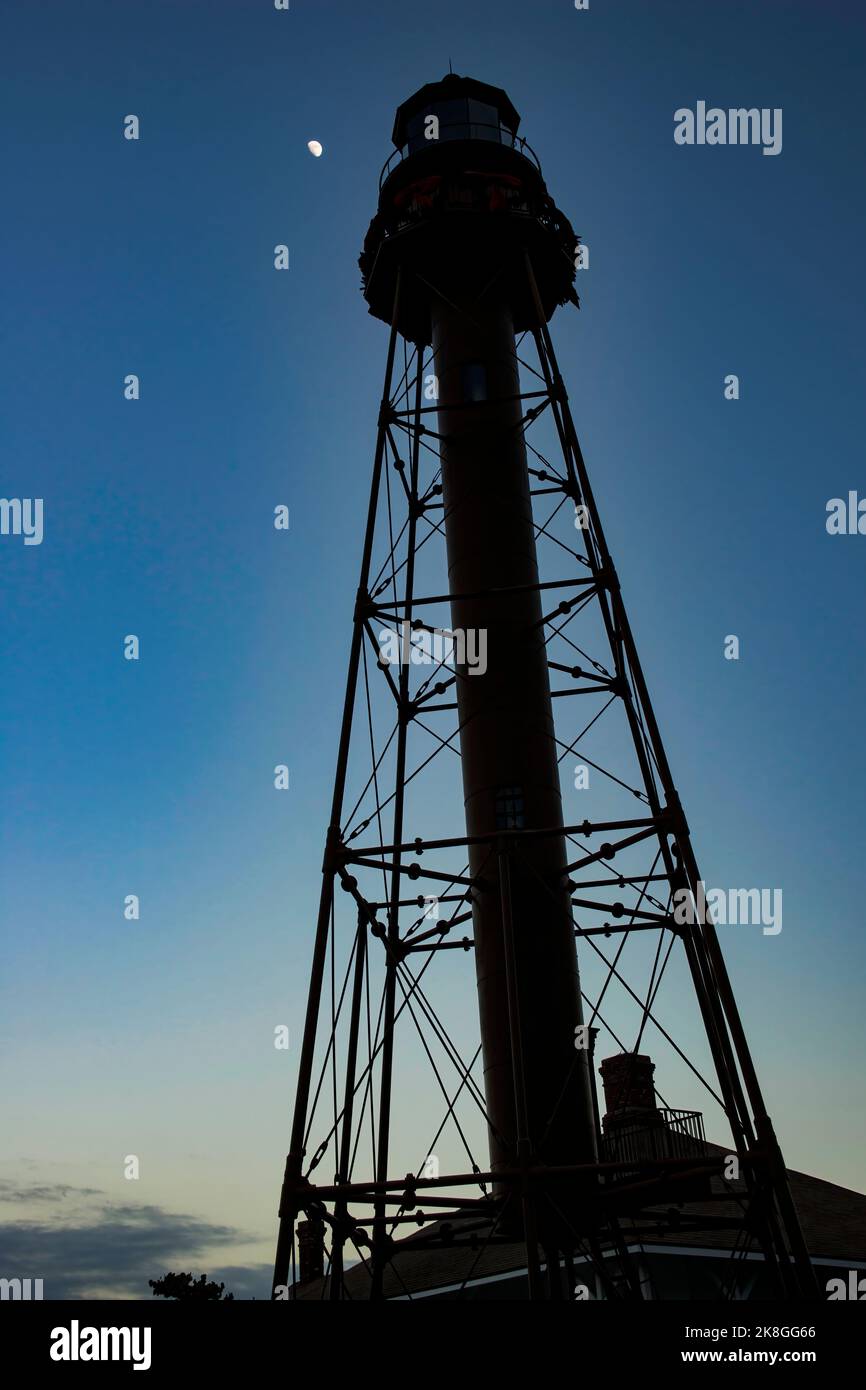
(465, 109)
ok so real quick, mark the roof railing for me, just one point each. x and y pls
(664, 1134)
(506, 137)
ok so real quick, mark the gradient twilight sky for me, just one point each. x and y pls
(156, 257)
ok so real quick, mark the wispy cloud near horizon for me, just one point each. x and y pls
(97, 1248)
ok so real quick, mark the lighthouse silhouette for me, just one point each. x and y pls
(466, 256)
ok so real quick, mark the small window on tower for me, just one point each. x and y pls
(474, 382)
(453, 119)
(484, 121)
(509, 809)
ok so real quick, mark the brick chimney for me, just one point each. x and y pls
(632, 1126)
(628, 1086)
(635, 1130)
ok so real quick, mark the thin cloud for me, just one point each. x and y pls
(113, 1252)
(43, 1192)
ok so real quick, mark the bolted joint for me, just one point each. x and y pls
(675, 815)
(571, 488)
(294, 1187)
(335, 851)
(558, 392)
(364, 606)
(410, 1195)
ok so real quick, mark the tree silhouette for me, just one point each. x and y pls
(185, 1286)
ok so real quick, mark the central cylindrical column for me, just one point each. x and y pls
(510, 772)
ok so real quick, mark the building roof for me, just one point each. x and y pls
(833, 1219)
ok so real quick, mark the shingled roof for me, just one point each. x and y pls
(833, 1219)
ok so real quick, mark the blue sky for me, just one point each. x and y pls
(154, 1037)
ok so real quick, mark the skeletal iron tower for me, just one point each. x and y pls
(466, 638)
